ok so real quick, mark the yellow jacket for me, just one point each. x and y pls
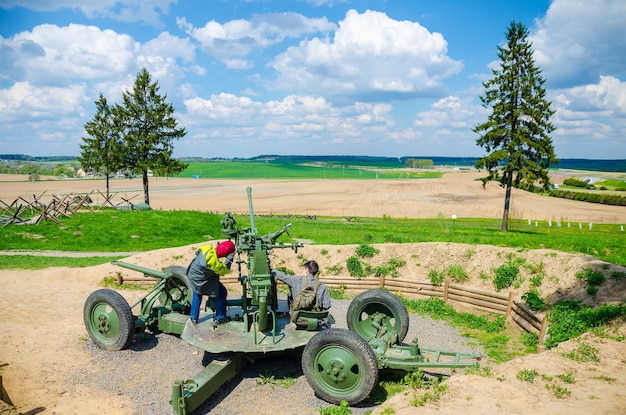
(212, 261)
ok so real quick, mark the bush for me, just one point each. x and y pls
(436, 277)
(354, 267)
(593, 279)
(614, 200)
(457, 273)
(366, 251)
(569, 319)
(505, 275)
(574, 182)
(534, 300)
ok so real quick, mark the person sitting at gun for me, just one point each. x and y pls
(204, 277)
(298, 283)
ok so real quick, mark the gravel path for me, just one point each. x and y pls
(145, 372)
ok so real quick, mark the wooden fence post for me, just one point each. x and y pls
(542, 334)
(4, 396)
(119, 278)
(382, 281)
(446, 286)
(509, 305)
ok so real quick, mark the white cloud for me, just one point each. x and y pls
(25, 101)
(53, 55)
(591, 116)
(307, 119)
(451, 112)
(608, 94)
(371, 56)
(50, 113)
(163, 56)
(580, 40)
(237, 38)
(124, 10)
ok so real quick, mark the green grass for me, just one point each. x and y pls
(611, 184)
(123, 231)
(42, 262)
(489, 330)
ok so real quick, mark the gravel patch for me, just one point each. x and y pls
(145, 372)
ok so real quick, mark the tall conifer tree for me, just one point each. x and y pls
(148, 131)
(100, 150)
(517, 132)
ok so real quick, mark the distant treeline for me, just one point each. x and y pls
(573, 164)
(42, 159)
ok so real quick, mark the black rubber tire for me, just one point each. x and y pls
(177, 293)
(369, 302)
(340, 366)
(109, 320)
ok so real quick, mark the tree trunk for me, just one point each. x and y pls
(145, 188)
(107, 185)
(507, 204)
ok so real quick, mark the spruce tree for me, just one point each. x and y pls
(517, 132)
(148, 131)
(100, 149)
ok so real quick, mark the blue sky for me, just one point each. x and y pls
(308, 77)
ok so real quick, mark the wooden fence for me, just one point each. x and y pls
(493, 302)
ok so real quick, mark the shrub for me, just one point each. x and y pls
(390, 269)
(354, 267)
(534, 300)
(574, 182)
(618, 275)
(436, 277)
(605, 199)
(341, 409)
(505, 275)
(457, 273)
(366, 251)
(593, 279)
(527, 375)
(569, 319)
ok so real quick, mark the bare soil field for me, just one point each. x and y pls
(456, 193)
(43, 339)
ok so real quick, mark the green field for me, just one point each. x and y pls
(267, 170)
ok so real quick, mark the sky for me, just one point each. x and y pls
(308, 77)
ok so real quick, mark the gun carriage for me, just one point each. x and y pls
(339, 364)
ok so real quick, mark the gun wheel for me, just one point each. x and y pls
(109, 320)
(340, 366)
(176, 295)
(376, 312)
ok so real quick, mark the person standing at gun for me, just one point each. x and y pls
(204, 277)
(296, 283)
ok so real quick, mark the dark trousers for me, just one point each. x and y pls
(220, 303)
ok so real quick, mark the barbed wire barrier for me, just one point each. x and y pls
(33, 209)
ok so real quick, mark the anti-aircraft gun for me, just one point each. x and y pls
(338, 364)
(260, 299)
